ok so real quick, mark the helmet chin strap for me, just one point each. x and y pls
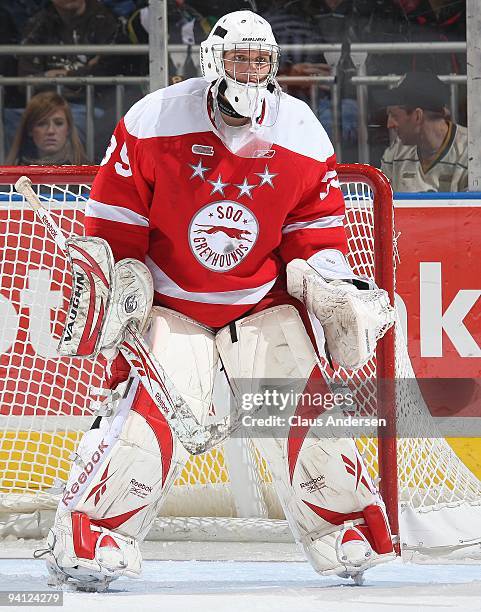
(225, 106)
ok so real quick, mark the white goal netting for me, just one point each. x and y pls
(44, 399)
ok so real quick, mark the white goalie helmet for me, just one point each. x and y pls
(241, 55)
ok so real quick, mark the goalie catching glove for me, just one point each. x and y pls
(105, 298)
(353, 320)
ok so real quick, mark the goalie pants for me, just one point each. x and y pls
(127, 462)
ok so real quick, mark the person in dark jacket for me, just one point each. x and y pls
(71, 22)
(75, 22)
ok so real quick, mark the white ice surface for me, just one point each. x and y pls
(265, 586)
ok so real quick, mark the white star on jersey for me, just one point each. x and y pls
(218, 186)
(245, 189)
(198, 170)
(266, 177)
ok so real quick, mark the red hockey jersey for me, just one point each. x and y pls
(216, 230)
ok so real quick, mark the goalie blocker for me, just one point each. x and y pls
(105, 298)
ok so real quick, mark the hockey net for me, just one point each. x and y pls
(44, 406)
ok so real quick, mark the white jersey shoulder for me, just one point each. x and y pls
(181, 109)
(172, 111)
(299, 130)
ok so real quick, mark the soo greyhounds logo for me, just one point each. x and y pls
(222, 234)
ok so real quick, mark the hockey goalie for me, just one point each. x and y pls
(218, 200)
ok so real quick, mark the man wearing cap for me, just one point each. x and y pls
(430, 152)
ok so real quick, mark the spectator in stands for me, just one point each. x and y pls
(321, 22)
(416, 21)
(437, 21)
(22, 10)
(47, 134)
(8, 36)
(73, 22)
(121, 8)
(365, 21)
(429, 152)
(185, 26)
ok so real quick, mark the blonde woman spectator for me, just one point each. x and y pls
(47, 134)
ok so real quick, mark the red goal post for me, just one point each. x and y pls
(385, 278)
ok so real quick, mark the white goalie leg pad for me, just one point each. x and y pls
(125, 466)
(189, 355)
(353, 320)
(92, 541)
(271, 344)
(332, 507)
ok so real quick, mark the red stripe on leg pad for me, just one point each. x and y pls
(84, 539)
(297, 433)
(330, 516)
(112, 522)
(378, 526)
(144, 406)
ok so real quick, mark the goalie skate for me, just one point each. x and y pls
(85, 556)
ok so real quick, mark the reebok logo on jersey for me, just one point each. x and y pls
(222, 234)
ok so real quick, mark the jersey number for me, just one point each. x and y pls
(121, 168)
